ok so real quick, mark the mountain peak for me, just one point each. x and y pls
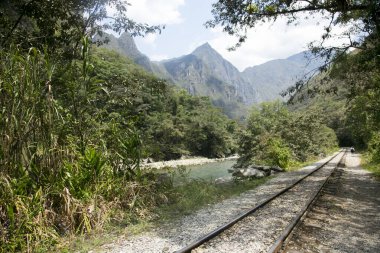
(206, 47)
(126, 46)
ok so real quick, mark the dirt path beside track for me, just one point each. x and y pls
(346, 217)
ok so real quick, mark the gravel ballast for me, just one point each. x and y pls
(257, 232)
(176, 235)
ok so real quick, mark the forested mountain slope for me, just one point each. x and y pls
(330, 106)
(345, 104)
(204, 72)
(171, 123)
(126, 46)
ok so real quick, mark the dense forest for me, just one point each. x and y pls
(278, 136)
(76, 121)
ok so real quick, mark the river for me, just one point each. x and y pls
(211, 171)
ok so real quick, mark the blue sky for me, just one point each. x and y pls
(182, 34)
(185, 31)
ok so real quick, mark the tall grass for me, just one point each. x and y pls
(371, 164)
(28, 149)
(178, 199)
(56, 176)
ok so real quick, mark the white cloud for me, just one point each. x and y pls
(268, 42)
(264, 43)
(152, 12)
(156, 12)
(159, 57)
(149, 39)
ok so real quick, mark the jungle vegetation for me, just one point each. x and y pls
(73, 137)
(278, 136)
(76, 121)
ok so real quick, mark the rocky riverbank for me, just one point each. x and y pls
(255, 171)
(185, 162)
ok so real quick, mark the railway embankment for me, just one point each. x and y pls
(175, 235)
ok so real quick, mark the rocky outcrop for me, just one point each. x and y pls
(255, 171)
(184, 161)
(204, 72)
(125, 45)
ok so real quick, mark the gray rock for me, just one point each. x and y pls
(255, 171)
(231, 170)
(248, 173)
(277, 169)
(222, 180)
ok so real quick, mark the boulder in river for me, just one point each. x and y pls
(255, 171)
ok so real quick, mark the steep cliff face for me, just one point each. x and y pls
(272, 77)
(205, 72)
(126, 46)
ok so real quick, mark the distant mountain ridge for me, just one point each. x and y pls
(274, 76)
(205, 72)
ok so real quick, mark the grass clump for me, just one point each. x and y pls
(187, 198)
(177, 195)
(371, 164)
(180, 196)
(189, 195)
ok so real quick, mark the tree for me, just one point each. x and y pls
(60, 24)
(237, 16)
(353, 72)
(277, 136)
(360, 18)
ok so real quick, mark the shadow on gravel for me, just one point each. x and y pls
(346, 217)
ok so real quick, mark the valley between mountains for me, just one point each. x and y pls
(204, 72)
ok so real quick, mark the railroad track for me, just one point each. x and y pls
(266, 226)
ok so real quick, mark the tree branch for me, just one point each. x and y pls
(16, 23)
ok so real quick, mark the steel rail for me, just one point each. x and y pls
(220, 229)
(278, 244)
